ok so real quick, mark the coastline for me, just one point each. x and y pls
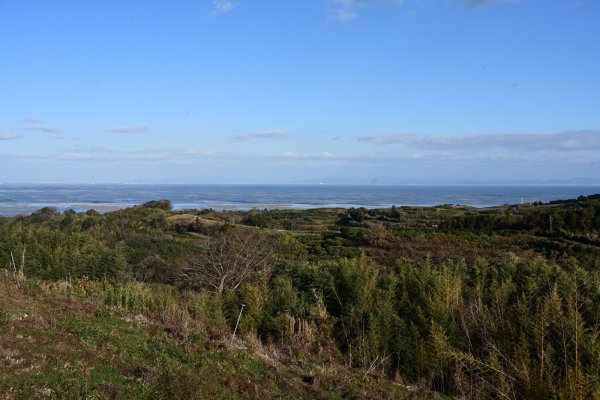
(26, 199)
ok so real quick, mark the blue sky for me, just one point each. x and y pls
(337, 91)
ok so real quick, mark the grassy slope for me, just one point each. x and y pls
(52, 346)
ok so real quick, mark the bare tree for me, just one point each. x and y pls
(230, 258)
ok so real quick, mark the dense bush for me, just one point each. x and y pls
(55, 254)
(490, 304)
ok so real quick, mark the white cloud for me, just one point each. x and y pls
(35, 124)
(76, 155)
(564, 141)
(43, 128)
(481, 3)
(223, 6)
(8, 135)
(347, 10)
(167, 156)
(32, 121)
(129, 129)
(179, 156)
(325, 155)
(391, 163)
(262, 135)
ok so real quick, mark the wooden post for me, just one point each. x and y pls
(13, 262)
(237, 323)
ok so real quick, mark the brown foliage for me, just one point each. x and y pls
(232, 257)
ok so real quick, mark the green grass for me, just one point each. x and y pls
(67, 341)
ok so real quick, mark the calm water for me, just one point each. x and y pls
(19, 199)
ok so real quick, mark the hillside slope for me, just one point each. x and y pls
(57, 340)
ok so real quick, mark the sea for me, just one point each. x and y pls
(24, 199)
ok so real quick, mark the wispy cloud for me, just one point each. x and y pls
(262, 135)
(179, 156)
(223, 6)
(32, 121)
(564, 141)
(325, 155)
(35, 124)
(384, 159)
(76, 155)
(347, 10)
(129, 129)
(390, 164)
(8, 135)
(190, 156)
(43, 128)
(151, 155)
(480, 3)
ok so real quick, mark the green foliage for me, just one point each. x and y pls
(257, 218)
(475, 303)
(50, 253)
(159, 204)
